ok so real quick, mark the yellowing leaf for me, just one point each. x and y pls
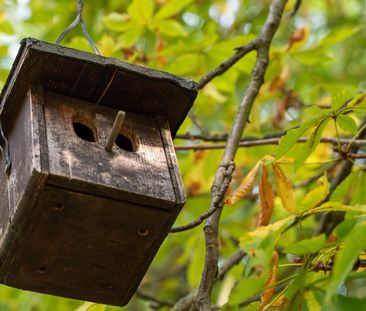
(245, 186)
(272, 277)
(316, 196)
(266, 198)
(284, 189)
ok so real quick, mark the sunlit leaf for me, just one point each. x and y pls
(284, 189)
(141, 10)
(251, 241)
(172, 8)
(89, 306)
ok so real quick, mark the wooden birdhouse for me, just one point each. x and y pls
(77, 220)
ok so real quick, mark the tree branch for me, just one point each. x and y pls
(216, 204)
(240, 53)
(274, 141)
(185, 303)
(202, 301)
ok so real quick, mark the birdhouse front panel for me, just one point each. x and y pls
(76, 135)
(80, 219)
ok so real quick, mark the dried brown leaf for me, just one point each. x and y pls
(272, 277)
(266, 198)
(244, 188)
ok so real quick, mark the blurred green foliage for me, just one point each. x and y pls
(316, 54)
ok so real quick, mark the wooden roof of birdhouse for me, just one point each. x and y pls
(97, 79)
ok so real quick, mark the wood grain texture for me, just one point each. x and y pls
(86, 247)
(98, 79)
(140, 177)
(26, 180)
(76, 220)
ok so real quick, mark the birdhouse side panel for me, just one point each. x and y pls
(27, 178)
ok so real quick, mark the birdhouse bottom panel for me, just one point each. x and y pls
(84, 247)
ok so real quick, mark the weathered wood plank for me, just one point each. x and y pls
(141, 176)
(98, 79)
(87, 247)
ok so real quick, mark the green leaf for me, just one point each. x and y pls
(307, 246)
(344, 192)
(248, 287)
(340, 99)
(310, 144)
(347, 123)
(352, 247)
(339, 35)
(313, 56)
(117, 22)
(288, 141)
(172, 8)
(344, 227)
(141, 11)
(359, 193)
(130, 37)
(185, 64)
(171, 28)
(316, 195)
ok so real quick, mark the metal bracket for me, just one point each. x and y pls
(4, 150)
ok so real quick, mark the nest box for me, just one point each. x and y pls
(76, 220)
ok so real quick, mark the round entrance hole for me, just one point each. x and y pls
(84, 128)
(126, 140)
(83, 132)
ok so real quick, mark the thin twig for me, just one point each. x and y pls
(240, 53)
(78, 19)
(195, 120)
(216, 204)
(150, 297)
(271, 141)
